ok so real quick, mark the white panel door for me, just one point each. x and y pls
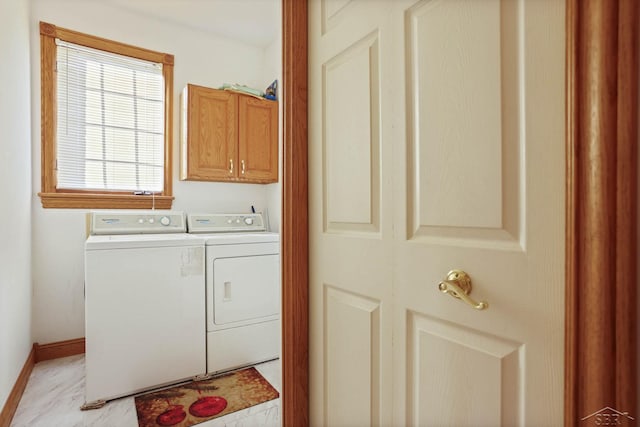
(436, 143)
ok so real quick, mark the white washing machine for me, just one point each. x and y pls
(242, 287)
(144, 303)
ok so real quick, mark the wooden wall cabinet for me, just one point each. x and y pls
(226, 136)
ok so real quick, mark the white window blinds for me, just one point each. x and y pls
(110, 121)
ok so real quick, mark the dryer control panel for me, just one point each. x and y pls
(222, 223)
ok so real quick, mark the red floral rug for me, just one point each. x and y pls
(200, 401)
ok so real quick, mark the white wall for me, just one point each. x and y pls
(15, 191)
(59, 235)
(273, 67)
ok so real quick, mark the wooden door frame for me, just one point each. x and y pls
(601, 210)
(295, 226)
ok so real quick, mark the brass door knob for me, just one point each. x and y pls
(458, 285)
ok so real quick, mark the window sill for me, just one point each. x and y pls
(104, 201)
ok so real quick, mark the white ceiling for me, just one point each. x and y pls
(256, 22)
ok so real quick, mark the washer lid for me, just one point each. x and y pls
(130, 241)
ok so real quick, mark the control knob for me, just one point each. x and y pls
(165, 220)
(248, 221)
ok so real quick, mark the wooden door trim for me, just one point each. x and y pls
(601, 229)
(295, 228)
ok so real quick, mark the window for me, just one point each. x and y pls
(106, 123)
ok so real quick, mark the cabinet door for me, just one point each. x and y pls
(209, 134)
(258, 140)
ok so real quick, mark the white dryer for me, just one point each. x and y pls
(242, 289)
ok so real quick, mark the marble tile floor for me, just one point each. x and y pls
(55, 392)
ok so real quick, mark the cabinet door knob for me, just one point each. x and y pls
(242, 167)
(230, 166)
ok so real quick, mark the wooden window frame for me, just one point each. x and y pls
(52, 197)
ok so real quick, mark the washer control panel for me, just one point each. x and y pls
(221, 223)
(137, 222)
